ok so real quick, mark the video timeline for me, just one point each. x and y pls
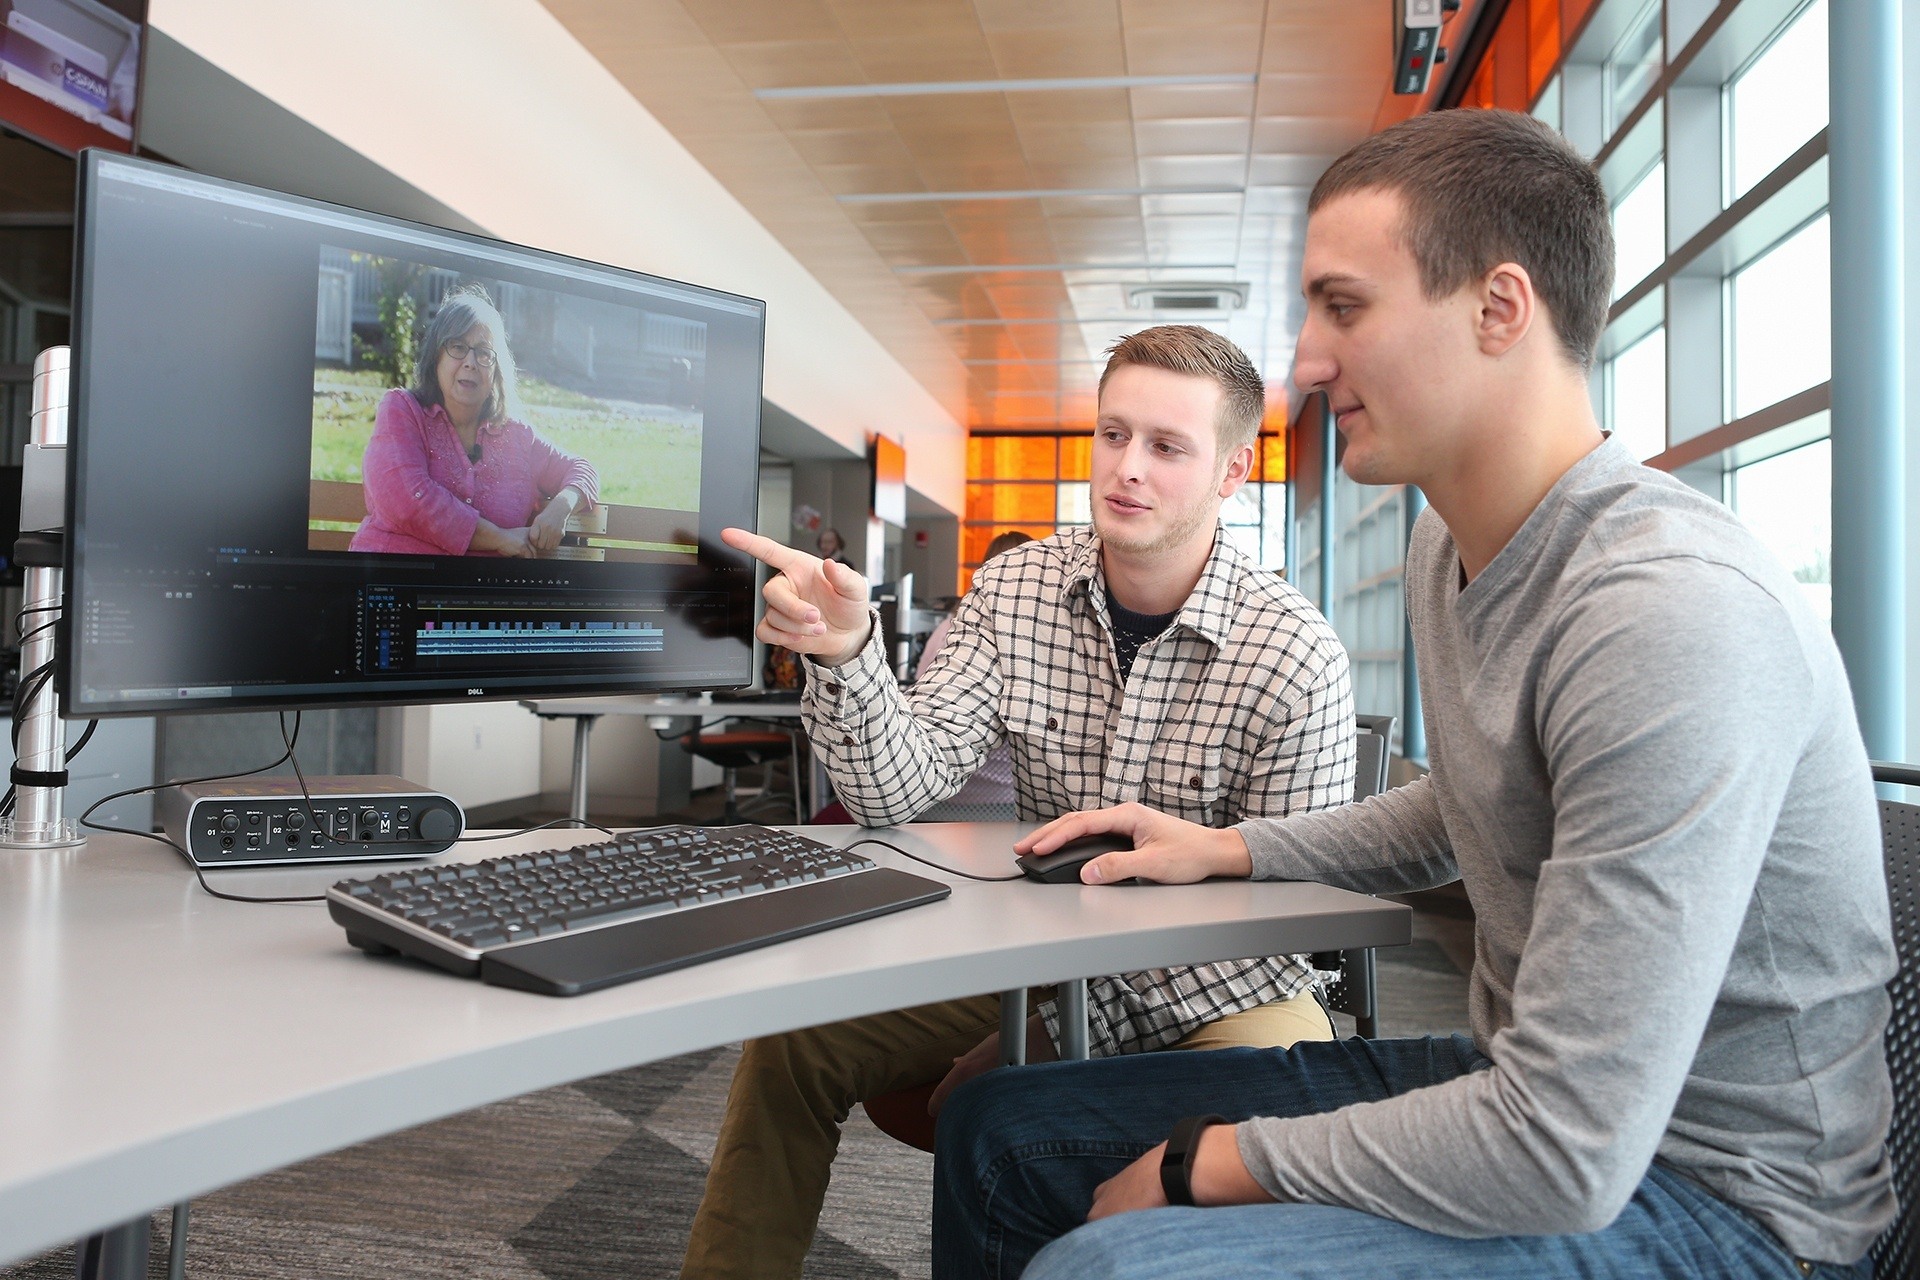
(405, 630)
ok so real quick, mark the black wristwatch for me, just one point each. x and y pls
(1176, 1164)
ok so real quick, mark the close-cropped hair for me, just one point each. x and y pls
(1480, 187)
(1189, 349)
(459, 311)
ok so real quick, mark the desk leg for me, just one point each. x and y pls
(1013, 1028)
(1073, 1020)
(582, 731)
(116, 1254)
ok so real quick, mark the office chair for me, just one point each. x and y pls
(737, 749)
(902, 1115)
(1896, 1254)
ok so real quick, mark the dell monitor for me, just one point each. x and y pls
(321, 457)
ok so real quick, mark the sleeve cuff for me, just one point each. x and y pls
(837, 692)
(1257, 1157)
(1266, 849)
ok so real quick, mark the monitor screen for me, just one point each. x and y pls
(320, 456)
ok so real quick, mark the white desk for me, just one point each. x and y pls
(157, 1043)
(584, 711)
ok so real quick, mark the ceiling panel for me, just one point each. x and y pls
(980, 181)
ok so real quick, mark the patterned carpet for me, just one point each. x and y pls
(599, 1179)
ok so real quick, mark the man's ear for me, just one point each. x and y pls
(1239, 467)
(1508, 308)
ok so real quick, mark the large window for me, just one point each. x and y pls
(1781, 308)
(1785, 500)
(1640, 229)
(1634, 65)
(1637, 396)
(1038, 484)
(1778, 101)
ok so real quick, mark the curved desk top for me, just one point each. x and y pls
(157, 1043)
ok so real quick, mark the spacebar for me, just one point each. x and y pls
(572, 963)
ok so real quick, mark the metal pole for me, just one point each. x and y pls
(1869, 391)
(1071, 1003)
(1413, 727)
(582, 731)
(1013, 1027)
(116, 1254)
(1329, 472)
(38, 821)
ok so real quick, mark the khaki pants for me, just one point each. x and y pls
(791, 1093)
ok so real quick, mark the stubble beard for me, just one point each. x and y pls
(1184, 527)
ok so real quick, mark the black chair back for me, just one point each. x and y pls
(1896, 1255)
(1353, 994)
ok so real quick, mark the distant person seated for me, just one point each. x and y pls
(832, 546)
(448, 470)
(1647, 775)
(992, 782)
(1141, 659)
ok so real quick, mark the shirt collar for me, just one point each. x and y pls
(1209, 610)
(438, 412)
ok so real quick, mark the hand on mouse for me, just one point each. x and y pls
(1166, 850)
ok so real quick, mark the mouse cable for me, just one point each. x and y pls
(937, 866)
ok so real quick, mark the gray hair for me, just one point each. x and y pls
(459, 312)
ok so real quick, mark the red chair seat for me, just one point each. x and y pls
(902, 1115)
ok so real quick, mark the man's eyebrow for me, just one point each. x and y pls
(1319, 286)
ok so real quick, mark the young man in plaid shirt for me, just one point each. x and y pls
(1144, 659)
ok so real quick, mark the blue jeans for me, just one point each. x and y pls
(1021, 1151)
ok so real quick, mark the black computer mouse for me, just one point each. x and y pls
(1062, 866)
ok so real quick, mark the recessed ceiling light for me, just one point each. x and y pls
(991, 268)
(924, 88)
(1037, 193)
(1187, 296)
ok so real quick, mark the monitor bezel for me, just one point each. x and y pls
(66, 655)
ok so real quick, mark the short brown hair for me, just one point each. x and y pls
(1187, 348)
(1481, 187)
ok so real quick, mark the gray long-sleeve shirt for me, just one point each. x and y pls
(1647, 772)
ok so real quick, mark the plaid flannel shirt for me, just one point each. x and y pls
(1241, 709)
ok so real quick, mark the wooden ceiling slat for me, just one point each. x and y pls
(1315, 72)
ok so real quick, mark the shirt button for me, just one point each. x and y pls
(846, 741)
(828, 686)
(1194, 781)
(1052, 723)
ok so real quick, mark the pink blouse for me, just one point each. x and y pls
(425, 497)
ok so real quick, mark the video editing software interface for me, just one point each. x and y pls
(324, 456)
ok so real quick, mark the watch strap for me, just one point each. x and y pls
(1176, 1162)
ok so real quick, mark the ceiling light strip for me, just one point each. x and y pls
(1057, 84)
(1064, 322)
(1038, 193)
(992, 268)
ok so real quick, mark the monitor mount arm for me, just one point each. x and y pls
(39, 774)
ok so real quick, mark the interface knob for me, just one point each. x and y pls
(437, 824)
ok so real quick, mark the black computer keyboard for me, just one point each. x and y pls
(565, 921)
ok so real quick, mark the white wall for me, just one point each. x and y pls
(493, 109)
(479, 753)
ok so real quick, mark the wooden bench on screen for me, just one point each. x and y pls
(608, 532)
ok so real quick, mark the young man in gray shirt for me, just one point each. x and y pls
(1645, 770)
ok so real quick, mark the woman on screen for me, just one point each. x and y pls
(449, 471)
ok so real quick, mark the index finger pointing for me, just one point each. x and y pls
(776, 554)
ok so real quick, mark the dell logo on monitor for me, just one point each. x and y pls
(476, 693)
